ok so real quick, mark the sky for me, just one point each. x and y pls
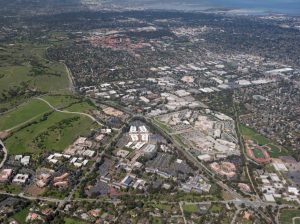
(279, 6)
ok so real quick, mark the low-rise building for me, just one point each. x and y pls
(20, 178)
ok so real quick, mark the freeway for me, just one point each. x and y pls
(192, 159)
(208, 172)
(239, 199)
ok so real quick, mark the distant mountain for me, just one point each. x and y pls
(29, 7)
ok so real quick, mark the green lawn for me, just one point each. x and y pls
(81, 107)
(287, 215)
(20, 216)
(23, 113)
(276, 151)
(55, 193)
(249, 133)
(54, 133)
(190, 208)
(68, 220)
(11, 188)
(157, 220)
(164, 207)
(216, 208)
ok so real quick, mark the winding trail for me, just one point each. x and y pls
(70, 112)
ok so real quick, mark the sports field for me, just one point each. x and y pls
(258, 153)
(250, 134)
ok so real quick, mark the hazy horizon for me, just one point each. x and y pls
(277, 6)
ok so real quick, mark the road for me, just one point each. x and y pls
(239, 200)
(256, 204)
(5, 154)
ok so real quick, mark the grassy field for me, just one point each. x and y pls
(286, 216)
(55, 193)
(250, 134)
(20, 216)
(11, 188)
(276, 151)
(54, 133)
(216, 208)
(22, 114)
(61, 101)
(39, 128)
(81, 107)
(190, 208)
(164, 207)
(24, 69)
(34, 108)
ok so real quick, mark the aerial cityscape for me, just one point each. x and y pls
(145, 111)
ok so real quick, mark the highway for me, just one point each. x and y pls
(238, 199)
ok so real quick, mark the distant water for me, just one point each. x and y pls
(248, 6)
(277, 6)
